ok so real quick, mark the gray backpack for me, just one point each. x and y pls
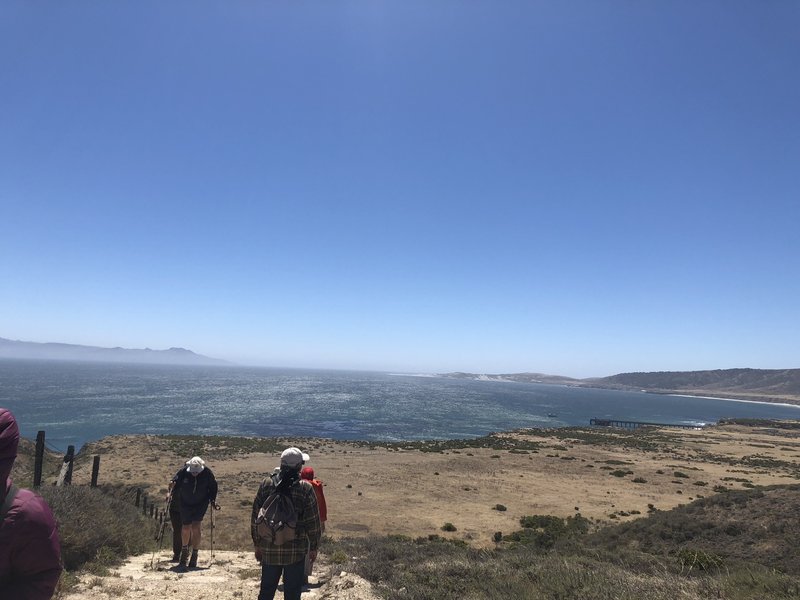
(276, 522)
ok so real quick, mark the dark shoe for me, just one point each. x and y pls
(193, 560)
(175, 558)
(181, 568)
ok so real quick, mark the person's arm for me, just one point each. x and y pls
(323, 505)
(174, 484)
(36, 563)
(311, 523)
(213, 488)
(261, 496)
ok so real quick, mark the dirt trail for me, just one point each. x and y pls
(232, 575)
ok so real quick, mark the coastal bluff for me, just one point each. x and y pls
(759, 385)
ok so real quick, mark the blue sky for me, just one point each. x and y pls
(579, 188)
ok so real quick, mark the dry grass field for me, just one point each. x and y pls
(663, 513)
(413, 489)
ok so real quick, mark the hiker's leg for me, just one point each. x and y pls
(270, 576)
(305, 564)
(293, 580)
(177, 542)
(186, 534)
(196, 534)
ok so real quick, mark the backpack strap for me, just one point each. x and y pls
(12, 493)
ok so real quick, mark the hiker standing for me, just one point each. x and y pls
(307, 473)
(30, 553)
(288, 558)
(195, 487)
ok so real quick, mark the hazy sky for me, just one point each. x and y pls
(571, 187)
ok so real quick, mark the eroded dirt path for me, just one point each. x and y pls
(231, 575)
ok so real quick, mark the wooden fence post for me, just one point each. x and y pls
(138, 497)
(65, 477)
(38, 460)
(95, 470)
(144, 505)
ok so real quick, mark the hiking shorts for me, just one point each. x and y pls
(192, 513)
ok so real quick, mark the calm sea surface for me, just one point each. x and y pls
(79, 402)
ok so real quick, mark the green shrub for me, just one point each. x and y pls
(541, 522)
(680, 475)
(500, 507)
(639, 480)
(94, 526)
(700, 560)
(448, 527)
(544, 531)
(446, 571)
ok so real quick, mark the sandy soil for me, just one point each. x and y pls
(230, 576)
(390, 491)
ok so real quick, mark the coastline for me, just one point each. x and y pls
(757, 398)
(776, 403)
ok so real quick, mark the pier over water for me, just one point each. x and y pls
(637, 424)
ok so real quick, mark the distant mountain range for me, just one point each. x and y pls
(55, 351)
(765, 385)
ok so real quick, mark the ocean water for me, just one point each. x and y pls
(79, 402)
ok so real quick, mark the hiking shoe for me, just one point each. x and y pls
(193, 560)
(181, 568)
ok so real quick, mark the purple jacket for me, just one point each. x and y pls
(30, 554)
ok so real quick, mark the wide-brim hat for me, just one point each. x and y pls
(195, 464)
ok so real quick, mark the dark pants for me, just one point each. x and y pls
(292, 580)
(175, 519)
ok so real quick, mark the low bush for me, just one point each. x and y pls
(699, 560)
(736, 526)
(421, 570)
(545, 531)
(94, 526)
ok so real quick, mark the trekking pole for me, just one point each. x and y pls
(160, 533)
(213, 508)
(212, 535)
